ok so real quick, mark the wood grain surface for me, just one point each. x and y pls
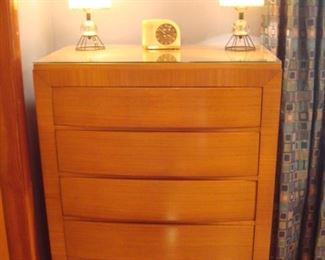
(157, 107)
(90, 240)
(49, 167)
(15, 172)
(4, 249)
(267, 167)
(159, 201)
(158, 154)
(119, 152)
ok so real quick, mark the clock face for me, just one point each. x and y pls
(166, 34)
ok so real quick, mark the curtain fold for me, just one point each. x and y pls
(295, 30)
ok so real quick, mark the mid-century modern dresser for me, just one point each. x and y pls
(159, 155)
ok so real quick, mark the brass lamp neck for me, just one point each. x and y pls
(88, 16)
(241, 11)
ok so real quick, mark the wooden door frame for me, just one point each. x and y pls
(15, 171)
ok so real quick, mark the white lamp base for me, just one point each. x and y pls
(89, 41)
(240, 40)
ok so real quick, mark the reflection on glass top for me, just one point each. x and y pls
(136, 54)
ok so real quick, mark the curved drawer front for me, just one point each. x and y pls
(158, 154)
(159, 201)
(157, 107)
(86, 240)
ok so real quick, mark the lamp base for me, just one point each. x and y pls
(240, 43)
(90, 43)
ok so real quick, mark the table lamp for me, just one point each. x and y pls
(89, 39)
(240, 39)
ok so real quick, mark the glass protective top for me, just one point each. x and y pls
(136, 54)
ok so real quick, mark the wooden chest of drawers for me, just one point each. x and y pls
(145, 160)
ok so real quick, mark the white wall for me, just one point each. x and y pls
(199, 20)
(36, 33)
(48, 25)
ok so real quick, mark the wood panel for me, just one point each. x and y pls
(49, 166)
(157, 107)
(159, 201)
(158, 154)
(144, 154)
(4, 249)
(267, 167)
(159, 242)
(15, 173)
(183, 75)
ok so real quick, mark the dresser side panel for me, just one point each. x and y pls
(51, 180)
(267, 167)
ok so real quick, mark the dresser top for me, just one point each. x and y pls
(136, 54)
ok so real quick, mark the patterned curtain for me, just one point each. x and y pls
(295, 30)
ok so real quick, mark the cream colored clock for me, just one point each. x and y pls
(160, 34)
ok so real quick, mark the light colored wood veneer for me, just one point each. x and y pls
(147, 160)
(159, 200)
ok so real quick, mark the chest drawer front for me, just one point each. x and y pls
(160, 242)
(159, 201)
(158, 154)
(157, 107)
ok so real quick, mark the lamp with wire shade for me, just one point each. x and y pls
(89, 39)
(240, 39)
